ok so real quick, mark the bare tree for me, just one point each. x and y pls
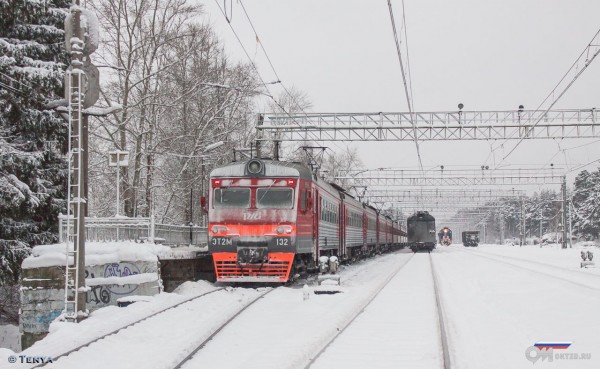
(340, 163)
(291, 103)
(138, 35)
(211, 101)
(179, 94)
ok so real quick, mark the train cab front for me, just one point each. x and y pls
(252, 222)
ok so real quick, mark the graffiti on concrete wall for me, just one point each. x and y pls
(97, 294)
(41, 306)
(122, 269)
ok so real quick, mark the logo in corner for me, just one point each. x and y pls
(545, 350)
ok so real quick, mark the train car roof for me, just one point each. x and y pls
(338, 187)
(420, 215)
(272, 169)
(275, 168)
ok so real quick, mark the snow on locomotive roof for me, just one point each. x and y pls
(272, 169)
(421, 215)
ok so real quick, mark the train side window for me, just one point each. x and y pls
(304, 201)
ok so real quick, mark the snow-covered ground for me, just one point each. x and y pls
(552, 254)
(498, 302)
(398, 330)
(497, 310)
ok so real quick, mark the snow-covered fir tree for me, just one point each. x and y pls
(586, 204)
(32, 136)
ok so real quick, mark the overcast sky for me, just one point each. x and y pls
(486, 54)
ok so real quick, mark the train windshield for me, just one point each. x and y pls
(232, 198)
(274, 198)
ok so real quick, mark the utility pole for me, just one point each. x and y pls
(276, 144)
(192, 215)
(485, 232)
(522, 235)
(501, 227)
(202, 194)
(570, 224)
(259, 122)
(541, 220)
(564, 213)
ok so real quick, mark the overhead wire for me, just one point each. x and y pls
(288, 93)
(265, 85)
(583, 165)
(404, 79)
(405, 27)
(587, 63)
(552, 92)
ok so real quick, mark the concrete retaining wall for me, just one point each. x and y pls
(42, 292)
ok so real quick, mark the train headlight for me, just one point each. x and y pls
(255, 166)
(218, 229)
(284, 229)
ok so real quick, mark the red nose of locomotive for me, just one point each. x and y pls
(252, 228)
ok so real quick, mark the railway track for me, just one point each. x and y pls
(116, 331)
(555, 272)
(400, 326)
(360, 311)
(220, 328)
(180, 326)
(535, 262)
(441, 317)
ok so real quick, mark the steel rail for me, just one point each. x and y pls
(218, 330)
(129, 325)
(441, 317)
(360, 311)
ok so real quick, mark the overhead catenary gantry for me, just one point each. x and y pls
(434, 126)
(416, 178)
(430, 126)
(443, 196)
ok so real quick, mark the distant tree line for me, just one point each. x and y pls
(543, 210)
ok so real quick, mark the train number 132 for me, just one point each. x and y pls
(282, 241)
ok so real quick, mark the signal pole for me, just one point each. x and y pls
(75, 290)
(81, 92)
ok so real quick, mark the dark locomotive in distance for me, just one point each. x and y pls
(470, 238)
(421, 231)
(270, 219)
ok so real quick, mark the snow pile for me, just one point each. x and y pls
(134, 298)
(124, 280)
(193, 288)
(183, 252)
(96, 253)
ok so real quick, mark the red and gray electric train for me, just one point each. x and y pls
(270, 219)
